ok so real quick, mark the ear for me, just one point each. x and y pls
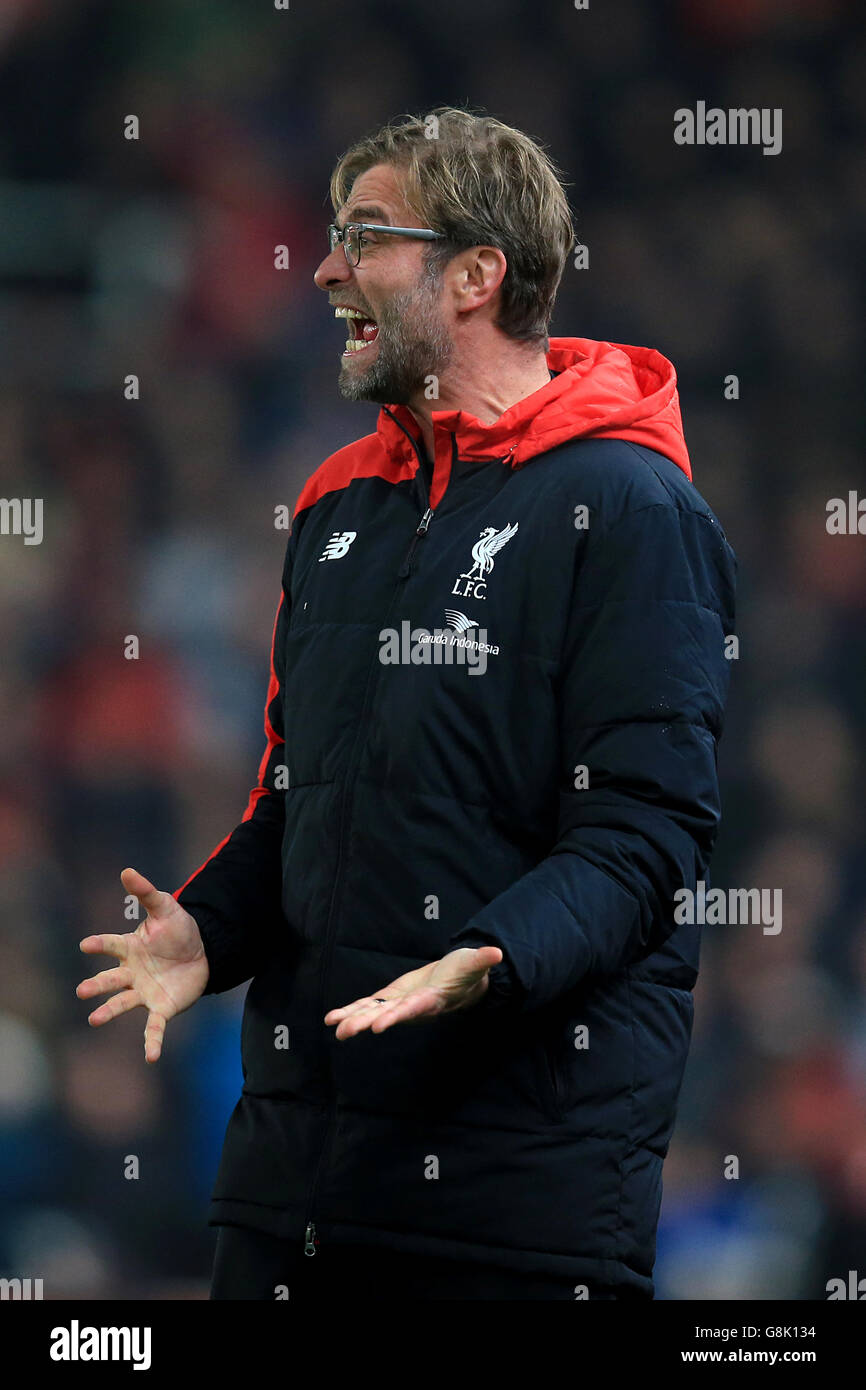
(475, 276)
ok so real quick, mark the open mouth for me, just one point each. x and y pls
(362, 330)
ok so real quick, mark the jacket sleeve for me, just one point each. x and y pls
(236, 895)
(640, 705)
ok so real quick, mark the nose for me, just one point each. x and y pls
(334, 270)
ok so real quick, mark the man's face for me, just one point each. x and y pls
(405, 337)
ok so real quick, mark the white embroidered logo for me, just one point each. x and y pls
(338, 545)
(483, 551)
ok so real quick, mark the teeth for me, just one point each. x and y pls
(346, 312)
(356, 344)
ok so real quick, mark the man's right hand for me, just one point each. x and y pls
(163, 964)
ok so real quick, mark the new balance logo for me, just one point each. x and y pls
(338, 545)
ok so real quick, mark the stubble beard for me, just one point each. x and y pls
(412, 345)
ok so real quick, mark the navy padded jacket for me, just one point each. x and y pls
(495, 700)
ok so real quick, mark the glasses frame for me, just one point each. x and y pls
(337, 236)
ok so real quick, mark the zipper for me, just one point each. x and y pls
(421, 530)
(311, 1240)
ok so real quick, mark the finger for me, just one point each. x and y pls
(484, 959)
(420, 1004)
(153, 1035)
(106, 945)
(378, 1017)
(354, 1017)
(356, 1024)
(112, 1008)
(488, 956)
(118, 978)
(153, 900)
(348, 1010)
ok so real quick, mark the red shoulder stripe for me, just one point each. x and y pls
(363, 458)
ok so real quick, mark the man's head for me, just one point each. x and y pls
(503, 217)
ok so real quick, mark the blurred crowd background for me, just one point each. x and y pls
(155, 257)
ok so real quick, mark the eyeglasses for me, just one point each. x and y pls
(351, 234)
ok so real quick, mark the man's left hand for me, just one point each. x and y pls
(457, 981)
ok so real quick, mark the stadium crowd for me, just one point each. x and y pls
(153, 257)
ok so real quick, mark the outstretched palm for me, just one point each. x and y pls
(163, 964)
(458, 980)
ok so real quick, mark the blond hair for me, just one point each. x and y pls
(481, 183)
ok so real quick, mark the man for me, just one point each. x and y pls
(497, 684)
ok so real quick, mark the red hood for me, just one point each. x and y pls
(603, 391)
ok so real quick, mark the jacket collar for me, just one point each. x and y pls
(602, 391)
